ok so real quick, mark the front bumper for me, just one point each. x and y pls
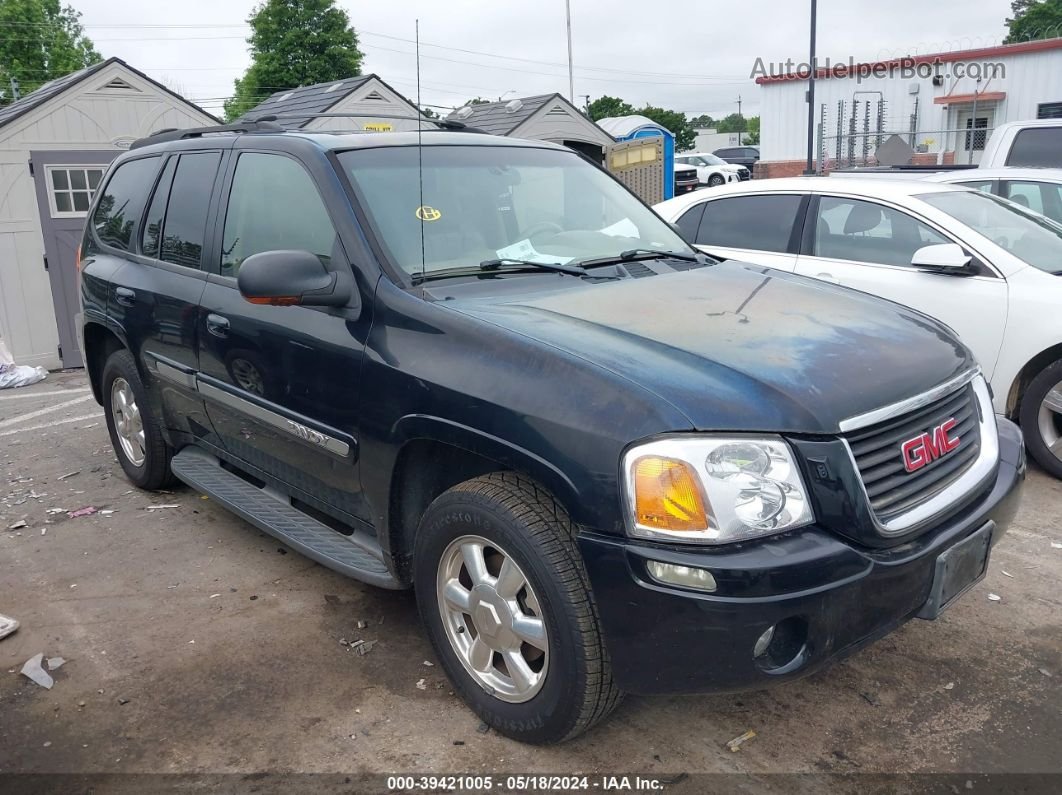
(831, 596)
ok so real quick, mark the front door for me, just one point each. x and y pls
(869, 246)
(65, 183)
(973, 127)
(281, 382)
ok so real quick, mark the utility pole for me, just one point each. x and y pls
(571, 71)
(741, 132)
(15, 93)
(810, 169)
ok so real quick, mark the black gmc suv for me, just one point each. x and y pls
(481, 368)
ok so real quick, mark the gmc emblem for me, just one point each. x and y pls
(931, 445)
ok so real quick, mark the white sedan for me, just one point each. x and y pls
(985, 266)
(1039, 189)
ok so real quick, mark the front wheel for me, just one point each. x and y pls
(715, 181)
(135, 432)
(506, 602)
(1041, 418)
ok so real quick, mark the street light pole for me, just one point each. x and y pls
(810, 169)
(571, 72)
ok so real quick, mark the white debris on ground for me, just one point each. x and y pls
(13, 375)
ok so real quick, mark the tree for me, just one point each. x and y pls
(476, 101)
(608, 107)
(429, 113)
(676, 122)
(1034, 19)
(752, 137)
(732, 124)
(295, 43)
(704, 121)
(41, 41)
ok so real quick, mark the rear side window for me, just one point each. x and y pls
(122, 203)
(1037, 147)
(257, 221)
(184, 229)
(157, 211)
(760, 223)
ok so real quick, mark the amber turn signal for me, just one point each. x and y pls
(667, 495)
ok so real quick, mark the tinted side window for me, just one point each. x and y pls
(258, 219)
(862, 231)
(184, 230)
(1037, 147)
(1043, 197)
(689, 222)
(761, 223)
(122, 202)
(156, 211)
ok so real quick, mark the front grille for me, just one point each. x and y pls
(744, 174)
(893, 490)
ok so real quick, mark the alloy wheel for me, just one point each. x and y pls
(128, 424)
(1049, 420)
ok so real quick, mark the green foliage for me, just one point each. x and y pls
(685, 135)
(731, 124)
(295, 43)
(752, 137)
(702, 122)
(607, 107)
(40, 40)
(429, 113)
(476, 101)
(1034, 19)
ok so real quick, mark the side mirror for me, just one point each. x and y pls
(943, 258)
(292, 278)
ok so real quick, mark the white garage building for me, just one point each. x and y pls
(55, 144)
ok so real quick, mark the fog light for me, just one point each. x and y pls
(686, 576)
(763, 642)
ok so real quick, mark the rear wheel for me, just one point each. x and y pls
(507, 605)
(1041, 418)
(135, 432)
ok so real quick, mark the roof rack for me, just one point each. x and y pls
(442, 124)
(173, 134)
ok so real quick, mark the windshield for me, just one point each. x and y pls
(1025, 234)
(712, 160)
(489, 202)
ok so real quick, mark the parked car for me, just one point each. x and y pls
(983, 265)
(711, 170)
(686, 180)
(747, 156)
(1039, 189)
(482, 368)
(1036, 143)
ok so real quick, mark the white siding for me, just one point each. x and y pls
(557, 122)
(86, 116)
(1031, 78)
(373, 97)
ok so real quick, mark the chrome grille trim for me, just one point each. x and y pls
(975, 475)
(905, 406)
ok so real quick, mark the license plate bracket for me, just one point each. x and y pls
(957, 570)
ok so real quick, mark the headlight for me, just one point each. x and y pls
(714, 490)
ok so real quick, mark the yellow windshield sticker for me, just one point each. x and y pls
(426, 213)
(378, 126)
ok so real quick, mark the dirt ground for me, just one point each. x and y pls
(196, 644)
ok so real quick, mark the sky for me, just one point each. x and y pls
(695, 57)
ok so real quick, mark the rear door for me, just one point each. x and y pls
(281, 383)
(156, 295)
(763, 229)
(868, 246)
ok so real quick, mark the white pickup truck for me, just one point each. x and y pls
(1034, 144)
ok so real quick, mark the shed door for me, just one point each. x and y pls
(65, 183)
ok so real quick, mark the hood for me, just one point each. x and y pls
(738, 347)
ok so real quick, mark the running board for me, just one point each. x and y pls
(271, 512)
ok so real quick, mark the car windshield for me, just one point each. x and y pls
(712, 160)
(1027, 235)
(483, 203)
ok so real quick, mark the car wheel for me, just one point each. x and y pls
(135, 432)
(1041, 418)
(506, 602)
(715, 180)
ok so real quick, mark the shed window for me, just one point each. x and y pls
(70, 189)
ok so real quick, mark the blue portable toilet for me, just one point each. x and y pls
(628, 128)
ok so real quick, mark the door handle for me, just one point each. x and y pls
(827, 277)
(218, 325)
(124, 296)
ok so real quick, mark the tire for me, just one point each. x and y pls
(147, 464)
(527, 526)
(715, 181)
(1042, 426)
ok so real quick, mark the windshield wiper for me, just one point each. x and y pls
(506, 263)
(637, 254)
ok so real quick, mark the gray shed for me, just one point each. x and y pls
(55, 144)
(364, 95)
(547, 117)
